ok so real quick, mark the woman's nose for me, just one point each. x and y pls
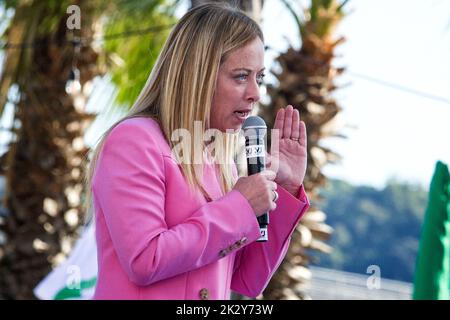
(253, 94)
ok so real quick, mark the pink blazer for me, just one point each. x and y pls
(156, 240)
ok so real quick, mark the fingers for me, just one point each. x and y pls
(268, 159)
(268, 174)
(303, 139)
(279, 120)
(290, 125)
(295, 130)
(271, 188)
(273, 195)
(273, 200)
(272, 185)
(273, 206)
(287, 128)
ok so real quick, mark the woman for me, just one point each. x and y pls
(169, 226)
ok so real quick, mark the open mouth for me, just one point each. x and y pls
(242, 114)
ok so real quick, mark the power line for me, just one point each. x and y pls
(400, 87)
(386, 83)
(86, 41)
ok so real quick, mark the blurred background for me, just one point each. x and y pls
(370, 79)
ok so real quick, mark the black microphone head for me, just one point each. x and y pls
(254, 126)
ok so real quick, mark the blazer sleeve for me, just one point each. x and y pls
(256, 263)
(129, 187)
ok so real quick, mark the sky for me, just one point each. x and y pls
(391, 133)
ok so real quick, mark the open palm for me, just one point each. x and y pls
(290, 158)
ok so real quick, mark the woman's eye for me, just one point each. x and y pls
(261, 79)
(242, 77)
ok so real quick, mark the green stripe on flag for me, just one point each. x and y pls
(66, 293)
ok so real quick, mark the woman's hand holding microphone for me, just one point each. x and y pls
(260, 191)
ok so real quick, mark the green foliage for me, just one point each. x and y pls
(135, 55)
(321, 13)
(374, 227)
(8, 3)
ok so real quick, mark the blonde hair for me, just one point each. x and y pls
(181, 86)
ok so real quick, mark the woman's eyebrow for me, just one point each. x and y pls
(248, 70)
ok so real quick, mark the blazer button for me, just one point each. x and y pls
(242, 241)
(223, 253)
(204, 294)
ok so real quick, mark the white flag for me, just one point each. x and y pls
(75, 278)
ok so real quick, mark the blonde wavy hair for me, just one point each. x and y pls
(181, 86)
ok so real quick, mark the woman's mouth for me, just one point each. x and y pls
(241, 115)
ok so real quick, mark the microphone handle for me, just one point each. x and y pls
(256, 164)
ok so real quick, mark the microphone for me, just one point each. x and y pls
(255, 130)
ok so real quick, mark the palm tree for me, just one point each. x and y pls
(306, 81)
(44, 165)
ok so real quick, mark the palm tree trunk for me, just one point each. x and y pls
(44, 164)
(307, 81)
